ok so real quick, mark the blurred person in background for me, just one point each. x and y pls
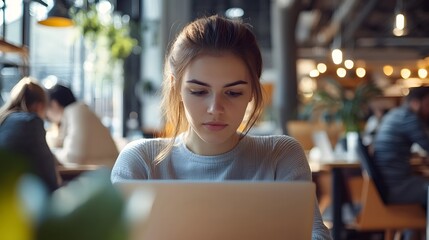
(80, 136)
(22, 130)
(399, 130)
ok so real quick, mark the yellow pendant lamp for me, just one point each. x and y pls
(59, 15)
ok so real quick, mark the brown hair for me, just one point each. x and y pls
(22, 97)
(208, 35)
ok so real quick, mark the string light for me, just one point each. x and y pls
(388, 70)
(405, 73)
(349, 64)
(341, 72)
(423, 73)
(360, 72)
(321, 67)
(314, 73)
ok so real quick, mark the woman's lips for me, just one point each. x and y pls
(214, 126)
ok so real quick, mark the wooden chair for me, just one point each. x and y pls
(303, 131)
(376, 213)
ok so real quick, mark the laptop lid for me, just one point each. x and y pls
(219, 210)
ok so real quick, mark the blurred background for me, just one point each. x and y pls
(111, 52)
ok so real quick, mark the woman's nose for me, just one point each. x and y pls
(216, 105)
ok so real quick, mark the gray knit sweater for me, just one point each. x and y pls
(255, 158)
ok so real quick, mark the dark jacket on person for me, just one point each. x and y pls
(23, 133)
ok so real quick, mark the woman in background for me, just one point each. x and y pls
(81, 138)
(211, 77)
(22, 130)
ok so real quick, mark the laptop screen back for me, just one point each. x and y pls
(220, 210)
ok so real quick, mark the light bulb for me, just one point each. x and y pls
(400, 21)
(341, 72)
(360, 72)
(399, 28)
(388, 70)
(321, 67)
(314, 73)
(423, 73)
(405, 73)
(337, 56)
(349, 64)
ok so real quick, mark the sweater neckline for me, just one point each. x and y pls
(223, 157)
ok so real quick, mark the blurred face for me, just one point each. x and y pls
(215, 92)
(39, 108)
(54, 112)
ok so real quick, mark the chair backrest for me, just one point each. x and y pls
(371, 169)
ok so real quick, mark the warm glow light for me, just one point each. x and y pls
(398, 32)
(423, 73)
(400, 21)
(399, 28)
(360, 72)
(349, 64)
(337, 56)
(388, 70)
(314, 73)
(321, 67)
(405, 73)
(341, 72)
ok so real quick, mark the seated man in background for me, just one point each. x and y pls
(81, 136)
(399, 130)
(22, 131)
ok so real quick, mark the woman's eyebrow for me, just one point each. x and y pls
(198, 82)
(235, 83)
(208, 85)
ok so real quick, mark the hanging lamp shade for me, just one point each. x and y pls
(59, 15)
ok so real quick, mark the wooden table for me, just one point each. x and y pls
(68, 173)
(336, 167)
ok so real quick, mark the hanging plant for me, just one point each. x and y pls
(109, 29)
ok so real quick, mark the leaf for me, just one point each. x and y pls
(348, 106)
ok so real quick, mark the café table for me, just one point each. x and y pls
(336, 168)
(69, 172)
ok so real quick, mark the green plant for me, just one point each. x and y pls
(336, 102)
(105, 30)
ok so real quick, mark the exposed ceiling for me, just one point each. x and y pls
(364, 29)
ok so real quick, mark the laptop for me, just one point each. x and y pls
(183, 210)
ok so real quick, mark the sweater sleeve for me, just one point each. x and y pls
(292, 165)
(132, 162)
(415, 129)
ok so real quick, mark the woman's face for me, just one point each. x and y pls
(215, 91)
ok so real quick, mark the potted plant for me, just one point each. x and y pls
(347, 105)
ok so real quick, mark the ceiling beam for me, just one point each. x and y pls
(326, 35)
(352, 26)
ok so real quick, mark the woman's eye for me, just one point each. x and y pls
(197, 92)
(234, 93)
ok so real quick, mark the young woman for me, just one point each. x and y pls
(212, 76)
(81, 137)
(22, 130)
